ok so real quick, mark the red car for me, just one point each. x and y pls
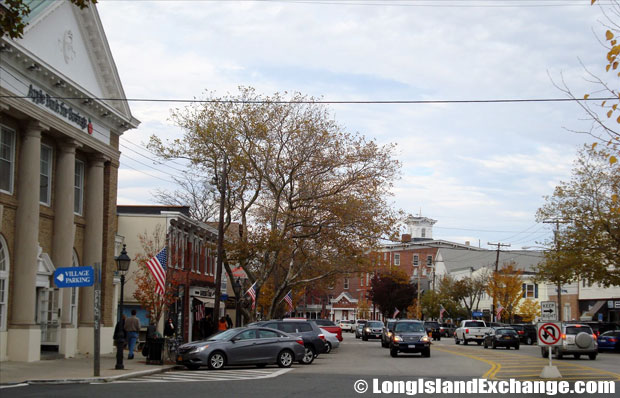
(330, 327)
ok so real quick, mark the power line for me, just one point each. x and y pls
(376, 102)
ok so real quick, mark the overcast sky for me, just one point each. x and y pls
(480, 169)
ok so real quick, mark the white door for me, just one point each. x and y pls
(47, 315)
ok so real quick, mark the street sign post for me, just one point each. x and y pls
(74, 276)
(548, 311)
(549, 334)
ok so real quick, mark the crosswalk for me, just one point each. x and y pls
(207, 375)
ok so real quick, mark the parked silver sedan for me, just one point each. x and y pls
(331, 341)
(242, 346)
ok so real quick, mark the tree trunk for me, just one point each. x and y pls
(560, 316)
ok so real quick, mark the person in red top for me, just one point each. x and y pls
(222, 324)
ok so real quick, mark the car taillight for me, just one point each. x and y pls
(594, 336)
(563, 336)
(466, 330)
(521, 332)
(322, 336)
(612, 340)
(300, 341)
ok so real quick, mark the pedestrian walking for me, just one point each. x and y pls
(132, 327)
(229, 323)
(169, 329)
(120, 337)
(222, 324)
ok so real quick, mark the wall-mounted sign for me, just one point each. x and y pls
(74, 276)
(40, 97)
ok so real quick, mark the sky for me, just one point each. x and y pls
(480, 169)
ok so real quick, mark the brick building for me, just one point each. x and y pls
(59, 161)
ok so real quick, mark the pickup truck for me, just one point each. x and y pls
(471, 330)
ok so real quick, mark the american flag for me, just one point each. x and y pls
(200, 312)
(157, 266)
(396, 312)
(289, 300)
(252, 294)
(441, 311)
(499, 310)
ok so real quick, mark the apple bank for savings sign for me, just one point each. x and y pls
(74, 277)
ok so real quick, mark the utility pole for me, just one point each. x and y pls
(498, 244)
(555, 247)
(220, 246)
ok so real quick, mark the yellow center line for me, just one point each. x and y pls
(489, 374)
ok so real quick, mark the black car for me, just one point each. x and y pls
(432, 329)
(527, 333)
(447, 329)
(410, 336)
(386, 336)
(372, 330)
(313, 337)
(502, 336)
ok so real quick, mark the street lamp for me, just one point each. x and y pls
(122, 266)
(237, 299)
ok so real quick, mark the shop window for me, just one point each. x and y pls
(78, 188)
(45, 183)
(7, 159)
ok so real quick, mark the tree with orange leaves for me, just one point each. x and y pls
(154, 303)
(505, 286)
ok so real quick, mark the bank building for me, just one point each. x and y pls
(62, 111)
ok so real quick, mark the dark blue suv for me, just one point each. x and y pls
(410, 336)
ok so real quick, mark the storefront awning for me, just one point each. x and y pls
(209, 302)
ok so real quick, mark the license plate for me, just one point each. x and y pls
(179, 358)
(478, 336)
(411, 345)
(507, 338)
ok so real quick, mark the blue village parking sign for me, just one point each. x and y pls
(74, 276)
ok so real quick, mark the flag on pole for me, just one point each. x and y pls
(157, 266)
(289, 301)
(396, 312)
(252, 292)
(499, 310)
(441, 311)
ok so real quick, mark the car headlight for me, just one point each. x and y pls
(389, 334)
(398, 338)
(200, 349)
(425, 339)
(367, 329)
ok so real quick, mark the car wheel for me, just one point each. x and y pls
(577, 356)
(393, 352)
(426, 353)
(384, 345)
(457, 341)
(494, 345)
(517, 347)
(544, 352)
(529, 341)
(464, 341)
(192, 367)
(216, 360)
(479, 342)
(559, 355)
(486, 345)
(365, 338)
(328, 347)
(285, 359)
(308, 356)
(592, 356)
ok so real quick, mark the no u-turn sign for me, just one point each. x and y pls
(549, 333)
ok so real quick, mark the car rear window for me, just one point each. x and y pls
(474, 324)
(578, 329)
(324, 322)
(505, 331)
(612, 333)
(517, 327)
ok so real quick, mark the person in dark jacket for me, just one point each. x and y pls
(229, 322)
(169, 329)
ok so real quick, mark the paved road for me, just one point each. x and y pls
(334, 374)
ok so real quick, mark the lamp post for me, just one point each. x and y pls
(122, 266)
(237, 299)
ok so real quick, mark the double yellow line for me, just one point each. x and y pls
(490, 374)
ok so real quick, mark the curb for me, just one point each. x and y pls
(105, 379)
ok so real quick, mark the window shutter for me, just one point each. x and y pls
(536, 290)
(524, 290)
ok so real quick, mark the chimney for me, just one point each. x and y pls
(405, 238)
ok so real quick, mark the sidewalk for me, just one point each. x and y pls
(75, 370)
